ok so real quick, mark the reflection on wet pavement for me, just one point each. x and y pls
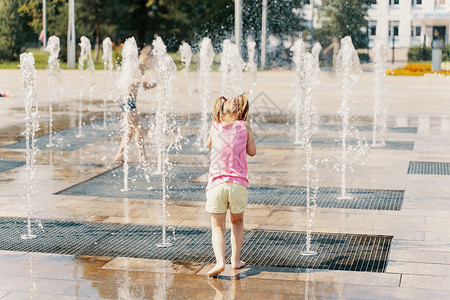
(418, 262)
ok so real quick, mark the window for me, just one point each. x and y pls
(439, 2)
(372, 28)
(395, 2)
(416, 31)
(393, 28)
(416, 2)
(373, 2)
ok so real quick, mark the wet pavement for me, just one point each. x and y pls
(418, 264)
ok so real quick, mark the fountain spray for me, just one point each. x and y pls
(309, 80)
(231, 66)
(53, 65)
(298, 49)
(85, 53)
(129, 75)
(380, 99)
(165, 73)
(32, 125)
(206, 60)
(186, 57)
(108, 67)
(348, 69)
(251, 65)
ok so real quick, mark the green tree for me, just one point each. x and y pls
(95, 17)
(12, 30)
(342, 18)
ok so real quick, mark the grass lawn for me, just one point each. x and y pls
(41, 58)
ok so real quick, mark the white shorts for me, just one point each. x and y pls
(226, 196)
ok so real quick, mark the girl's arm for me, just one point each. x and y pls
(251, 146)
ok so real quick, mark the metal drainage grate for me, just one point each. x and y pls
(349, 252)
(67, 139)
(6, 165)
(429, 168)
(327, 143)
(332, 127)
(110, 183)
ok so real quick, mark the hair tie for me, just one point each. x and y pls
(223, 99)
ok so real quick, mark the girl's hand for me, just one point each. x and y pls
(147, 85)
(251, 145)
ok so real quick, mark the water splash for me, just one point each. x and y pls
(52, 67)
(107, 67)
(206, 60)
(298, 50)
(251, 65)
(128, 76)
(186, 57)
(85, 53)
(309, 80)
(315, 51)
(165, 74)
(28, 72)
(380, 99)
(348, 70)
(231, 66)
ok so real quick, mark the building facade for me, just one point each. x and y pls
(404, 23)
(410, 22)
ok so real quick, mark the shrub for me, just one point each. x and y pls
(364, 57)
(418, 53)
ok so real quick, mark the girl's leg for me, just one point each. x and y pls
(237, 238)
(218, 242)
(139, 136)
(125, 141)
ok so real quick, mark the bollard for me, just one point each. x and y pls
(436, 54)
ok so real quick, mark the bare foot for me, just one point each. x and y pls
(238, 265)
(118, 159)
(216, 270)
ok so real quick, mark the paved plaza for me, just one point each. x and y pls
(392, 241)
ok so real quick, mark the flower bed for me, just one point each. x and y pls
(419, 70)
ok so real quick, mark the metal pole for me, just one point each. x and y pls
(71, 36)
(238, 23)
(312, 23)
(44, 22)
(393, 45)
(263, 34)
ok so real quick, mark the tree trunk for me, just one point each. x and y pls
(97, 42)
(141, 24)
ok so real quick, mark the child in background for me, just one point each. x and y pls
(230, 140)
(127, 104)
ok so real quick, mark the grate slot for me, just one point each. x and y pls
(429, 168)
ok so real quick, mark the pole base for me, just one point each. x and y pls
(27, 236)
(164, 245)
(377, 145)
(345, 197)
(308, 253)
(124, 190)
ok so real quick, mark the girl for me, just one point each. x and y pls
(127, 104)
(230, 140)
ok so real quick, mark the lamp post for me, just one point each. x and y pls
(44, 22)
(71, 36)
(312, 23)
(263, 34)
(393, 46)
(238, 23)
